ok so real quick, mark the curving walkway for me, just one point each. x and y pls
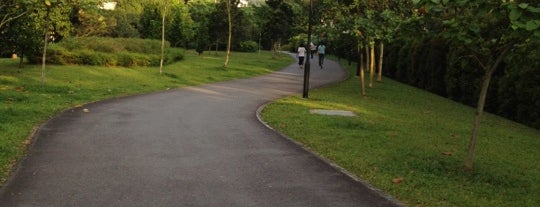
(196, 146)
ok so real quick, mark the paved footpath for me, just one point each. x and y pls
(196, 146)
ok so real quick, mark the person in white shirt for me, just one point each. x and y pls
(313, 49)
(301, 54)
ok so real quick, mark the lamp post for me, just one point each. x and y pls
(305, 93)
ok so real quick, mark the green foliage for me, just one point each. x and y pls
(518, 91)
(110, 52)
(248, 46)
(434, 66)
(124, 24)
(280, 21)
(477, 34)
(150, 22)
(421, 141)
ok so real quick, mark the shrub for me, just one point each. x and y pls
(248, 46)
(59, 55)
(125, 52)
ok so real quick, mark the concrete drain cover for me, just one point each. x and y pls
(332, 112)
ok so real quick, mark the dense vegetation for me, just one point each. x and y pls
(432, 65)
(109, 52)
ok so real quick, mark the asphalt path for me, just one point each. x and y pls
(195, 146)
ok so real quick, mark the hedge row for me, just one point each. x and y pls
(109, 52)
(514, 92)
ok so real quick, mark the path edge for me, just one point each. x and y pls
(327, 161)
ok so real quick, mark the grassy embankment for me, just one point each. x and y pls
(417, 138)
(25, 102)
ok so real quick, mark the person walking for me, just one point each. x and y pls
(321, 49)
(301, 54)
(312, 48)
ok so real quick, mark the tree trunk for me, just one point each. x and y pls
(162, 38)
(21, 60)
(229, 18)
(367, 57)
(381, 57)
(44, 58)
(362, 81)
(371, 64)
(480, 108)
(361, 72)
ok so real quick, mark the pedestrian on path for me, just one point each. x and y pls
(321, 50)
(301, 54)
(312, 48)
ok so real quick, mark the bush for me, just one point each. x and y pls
(248, 46)
(125, 52)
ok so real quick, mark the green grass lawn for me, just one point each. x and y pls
(406, 133)
(25, 103)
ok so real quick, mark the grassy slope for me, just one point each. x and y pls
(25, 102)
(404, 132)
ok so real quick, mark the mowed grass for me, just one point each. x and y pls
(25, 102)
(418, 138)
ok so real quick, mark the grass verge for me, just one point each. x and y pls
(25, 102)
(412, 144)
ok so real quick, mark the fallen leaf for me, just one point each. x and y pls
(397, 180)
(86, 110)
(27, 142)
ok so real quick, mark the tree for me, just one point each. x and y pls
(87, 21)
(218, 24)
(22, 36)
(280, 23)
(11, 10)
(489, 30)
(229, 39)
(200, 14)
(150, 22)
(163, 15)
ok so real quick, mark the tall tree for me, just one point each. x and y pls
(150, 22)
(163, 15)
(280, 23)
(489, 30)
(229, 39)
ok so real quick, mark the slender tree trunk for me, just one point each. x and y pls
(21, 60)
(381, 57)
(163, 37)
(371, 64)
(44, 58)
(229, 18)
(367, 57)
(480, 107)
(363, 81)
(361, 72)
